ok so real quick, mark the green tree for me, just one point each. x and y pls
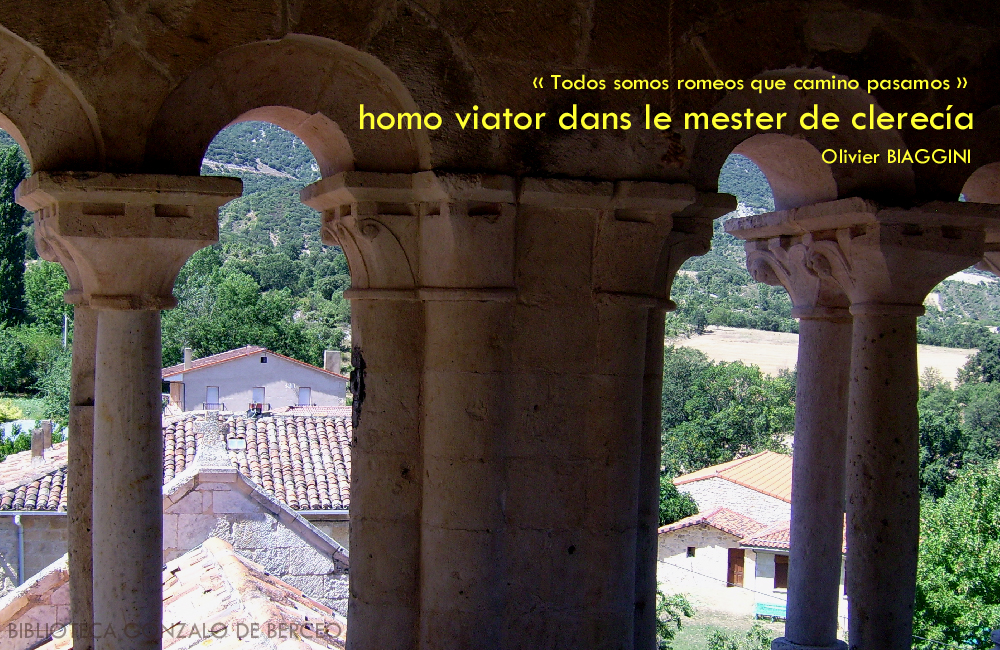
(44, 286)
(958, 586)
(674, 505)
(55, 386)
(12, 172)
(669, 613)
(756, 638)
(729, 410)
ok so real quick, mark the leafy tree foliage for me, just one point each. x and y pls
(44, 286)
(958, 587)
(756, 638)
(670, 611)
(716, 412)
(674, 505)
(54, 386)
(13, 169)
(958, 427)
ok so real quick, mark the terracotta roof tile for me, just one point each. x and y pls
(302, 461)
(776, 536)
(724, 519)
(213, 587)
(767, 472)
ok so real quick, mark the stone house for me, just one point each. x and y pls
(250, 482)
(211, 592)
(734, 554)
(253, 375)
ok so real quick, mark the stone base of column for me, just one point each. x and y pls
(781, 643)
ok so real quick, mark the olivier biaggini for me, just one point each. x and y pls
(894, 156)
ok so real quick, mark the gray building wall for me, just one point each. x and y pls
(259, 529)
(44, 543)
(711, 493)
(280, 378)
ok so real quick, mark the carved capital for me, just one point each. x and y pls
(429, 236)
(791, 263)
(883, 260)
(421, 236)
(644, 231)
(122, 238)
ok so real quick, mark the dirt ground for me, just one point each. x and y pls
(773, 351)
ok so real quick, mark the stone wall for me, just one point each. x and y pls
(715, 492)
(703, 577)
(44, 543)
(339, 530)
(224, 505)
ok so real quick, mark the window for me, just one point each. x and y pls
(211, 395)
(263, 359)
(305, 396)
(258, 395)
(781, 572)
(690, 551)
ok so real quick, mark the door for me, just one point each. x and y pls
(734, 577)
(781, 572)
(305, 396)
(258, 395)
(211, 397)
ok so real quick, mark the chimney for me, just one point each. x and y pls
(332, 361)
(187, 358)
(41, 441)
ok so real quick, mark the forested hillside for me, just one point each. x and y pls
(269, 281)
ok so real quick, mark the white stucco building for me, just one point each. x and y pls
(733, 555)
(233, 380)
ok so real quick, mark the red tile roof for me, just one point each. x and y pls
(776, 536)
(238, 353)
(303, 461)
(723, 519)
(233, 598)
(767, 472)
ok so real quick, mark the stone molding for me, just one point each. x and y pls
(122, 238)
(854, 252)
(444, 237)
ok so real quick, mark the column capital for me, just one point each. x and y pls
(884, 260)
(122, 238)
(435, 236)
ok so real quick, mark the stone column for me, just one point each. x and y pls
(886, 261)
(519, 460)
(79, 475)
(776, 255)
(122, 240)
(79, 470)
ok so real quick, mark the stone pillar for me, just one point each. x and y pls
(504, 512)
(886, 261)
(122, 239)
(778, 256)
(79, 475)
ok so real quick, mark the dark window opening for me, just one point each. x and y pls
(781, 572)
(263, 359)
(690, 551)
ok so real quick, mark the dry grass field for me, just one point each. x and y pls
(773, 351)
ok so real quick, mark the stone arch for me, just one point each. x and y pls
(308, 85)
(889, 183)
(44, 111)
(983, 185)
(794, 169)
